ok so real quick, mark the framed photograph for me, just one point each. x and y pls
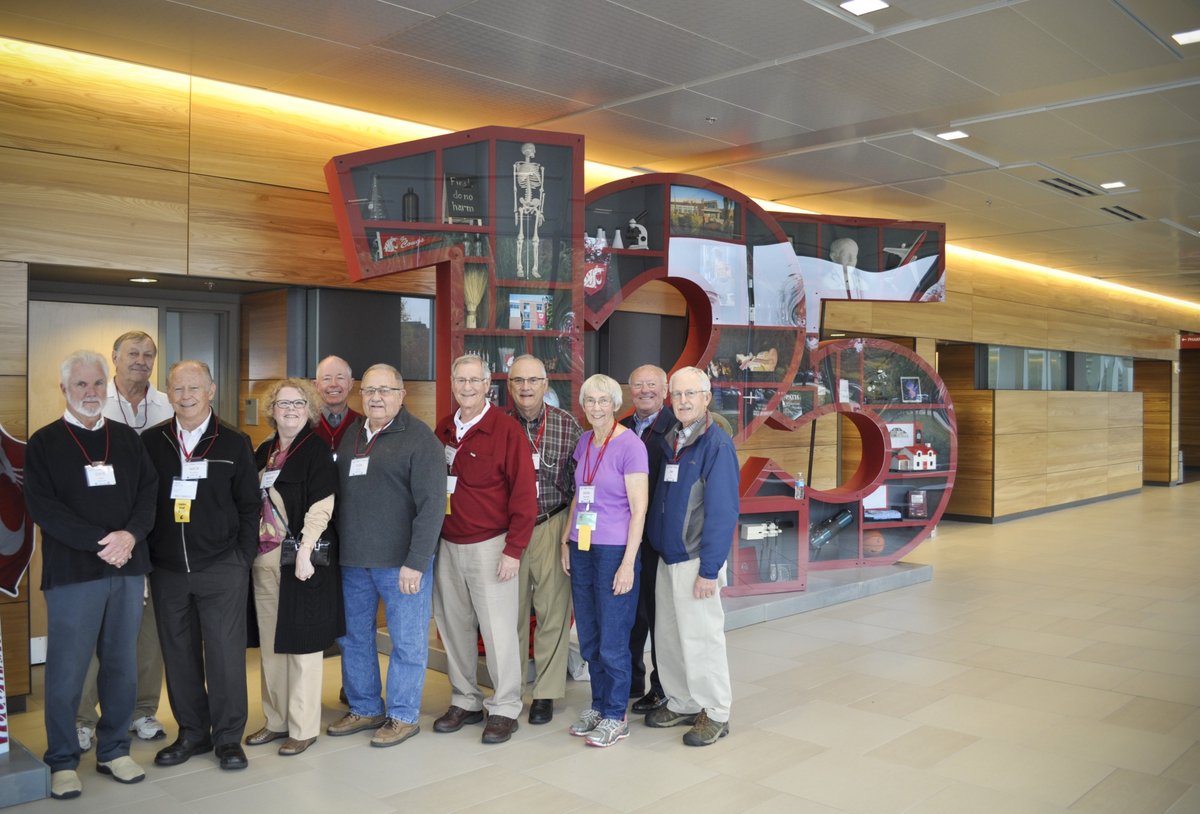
(703, 213)
(910, 389)
(901, 434)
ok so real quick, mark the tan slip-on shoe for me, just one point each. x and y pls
(123, 769)
(65, 784)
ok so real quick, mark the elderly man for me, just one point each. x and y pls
(491, 507)
(391, 503)
(90, 486)
(552, 435)
(651, 420)
(333, 382)
(133, 401)
(692, 520)
(204, 541)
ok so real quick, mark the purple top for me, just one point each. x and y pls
(626, 454)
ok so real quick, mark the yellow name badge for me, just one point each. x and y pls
(585, 523)
(183, 511)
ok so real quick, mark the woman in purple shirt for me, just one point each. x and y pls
(600, 553)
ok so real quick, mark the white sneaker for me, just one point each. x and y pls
(607, 732)
(147, 728)
(86, 737)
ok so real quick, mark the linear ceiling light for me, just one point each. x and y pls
(952, 135)
(1187, 37)
(1113, 185)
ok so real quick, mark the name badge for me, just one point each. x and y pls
(358, 466)
(585, 524)
(451, 484)
(183, 489)
(450, 453)
(195, 470)
(183, 511)
(671, 473)
(587, 494)
(268, 478)
(537, 462)
(100, 475)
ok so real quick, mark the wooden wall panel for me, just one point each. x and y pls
(54, 101)
(14, 619)
(1021, 411)
(1076, 484)
(13, 391)
(956, 366)
(1189, 406)
(264, 335)
(1070, 410)
(972, 497)
(656, 297)
(1125, 410)
(1124, 477)
(1076, 449)
(421, 401)
(1157, 381)
(14, 320)
(78, 212)
(1124, 444)
(1014, 495)
(1021, 454)
(1003, 322)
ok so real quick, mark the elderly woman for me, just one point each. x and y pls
(600, 553)
(299, 607)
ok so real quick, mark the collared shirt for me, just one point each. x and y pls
(684, 434)
(461, 429)
(556, 470)
(70, 418)
(189, 438)
(370, 433)
(155, 408)
(640, 424)
(335, 419)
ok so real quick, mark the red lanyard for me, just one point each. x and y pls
(187, 456)
(367, 452)
(537, 442)
(87, 458)
(588, 478)
(679, 448)
(278, 457)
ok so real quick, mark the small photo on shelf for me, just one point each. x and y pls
(910, 389)
(528, 312)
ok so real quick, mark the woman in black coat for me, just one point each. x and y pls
(298, 608)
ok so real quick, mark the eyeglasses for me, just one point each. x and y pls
(521, 381)
(292, 404)
(474, 381)
(676, 395)
(603, 401)
(372, 392)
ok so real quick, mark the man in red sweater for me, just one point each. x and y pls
(491, 506)
(333, 382)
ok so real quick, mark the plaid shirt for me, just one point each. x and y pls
(556, 474)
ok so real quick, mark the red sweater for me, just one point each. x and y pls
(497, 487)
(333, 436)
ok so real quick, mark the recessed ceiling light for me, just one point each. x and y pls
(1113, 185)
(1187, 37)
(952, 135)
(143, 279)
(861, 7)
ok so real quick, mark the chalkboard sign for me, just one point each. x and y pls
(463, 201)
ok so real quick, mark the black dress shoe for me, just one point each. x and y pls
(232, 756)
(499, 729)
(649, 702)
(179, 751)
(541, 711)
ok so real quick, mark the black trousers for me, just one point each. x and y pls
(643, 625)
(202, 628)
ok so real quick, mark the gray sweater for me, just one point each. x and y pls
(391, 516)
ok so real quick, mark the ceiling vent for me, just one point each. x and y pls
(1072, 188)
(1123, 213)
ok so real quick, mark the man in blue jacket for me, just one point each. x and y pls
(691, 523)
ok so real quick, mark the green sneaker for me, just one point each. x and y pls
(664, 716)
(705, 731)
(586, 723)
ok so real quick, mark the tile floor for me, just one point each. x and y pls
(1052, 665)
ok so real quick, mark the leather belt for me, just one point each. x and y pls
(542, 518)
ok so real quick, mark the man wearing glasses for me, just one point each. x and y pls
(552, 435)
(691, 524)
(390, 507)
(490, 510)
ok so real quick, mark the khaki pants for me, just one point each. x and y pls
(547, 590)
(689, 636)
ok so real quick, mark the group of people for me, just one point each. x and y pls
(180, 546)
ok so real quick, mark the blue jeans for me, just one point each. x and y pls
(604, 621)
(100, 617)
(408, 625)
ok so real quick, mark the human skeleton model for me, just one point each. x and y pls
(529, 195)
(844, 251)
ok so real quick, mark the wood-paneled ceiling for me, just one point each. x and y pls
(794, 101)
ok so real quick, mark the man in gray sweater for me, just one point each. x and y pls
(392, 498)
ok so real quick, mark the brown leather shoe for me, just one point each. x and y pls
(455, 718)
(499, 729)
(292, 746)
(264, 735)
(394, 732)
(351, 723)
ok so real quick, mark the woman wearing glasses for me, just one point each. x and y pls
(299, 607)
(600, 553)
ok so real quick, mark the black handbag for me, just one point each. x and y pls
(290, 547)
